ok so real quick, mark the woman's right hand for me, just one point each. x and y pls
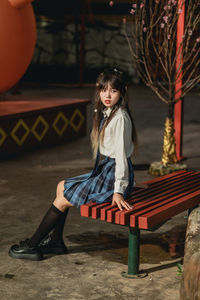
(121, 203)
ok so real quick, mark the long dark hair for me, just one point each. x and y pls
(117, 80)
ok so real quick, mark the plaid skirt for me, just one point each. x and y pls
(97, 185)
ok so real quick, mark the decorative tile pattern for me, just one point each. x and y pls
(3, 136)
(60, 116)
(39, 136)
(76, 113)
(39, 128)
(20, 140)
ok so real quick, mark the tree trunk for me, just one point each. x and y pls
(169, 145)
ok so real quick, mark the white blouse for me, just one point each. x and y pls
(118, 144)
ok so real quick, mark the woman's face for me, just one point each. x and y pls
(109, 96)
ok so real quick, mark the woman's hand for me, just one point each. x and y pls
(121, 203)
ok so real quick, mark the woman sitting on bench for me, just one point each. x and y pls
(112, 179)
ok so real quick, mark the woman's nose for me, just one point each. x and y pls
(107, 93)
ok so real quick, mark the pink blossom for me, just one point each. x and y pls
(141, 5)
(157, 1)
(134, 5)
(179, 10)
(190, 32)
(111, 3)
(144, 29)
(165, 18)
(183, 36)
(143, 22)
(132, 11)
(198, 40)
(162, 25)
(194, 50)
(167, 7)
(169, 36)
(169, 15)
(174, 2)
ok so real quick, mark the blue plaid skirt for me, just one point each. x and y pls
(97, 185)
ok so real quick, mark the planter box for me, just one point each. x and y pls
(30, 124)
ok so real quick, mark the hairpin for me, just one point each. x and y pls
(117, 71)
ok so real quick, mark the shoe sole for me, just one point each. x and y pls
(34, 257)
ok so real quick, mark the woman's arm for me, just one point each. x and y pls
(122, 137)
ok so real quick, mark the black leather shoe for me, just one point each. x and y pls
(25, 252)
(48, 246)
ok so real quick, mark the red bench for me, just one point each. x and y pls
(165, 197)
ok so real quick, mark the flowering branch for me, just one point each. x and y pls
(152, 43)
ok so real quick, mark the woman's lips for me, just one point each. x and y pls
(107, 101)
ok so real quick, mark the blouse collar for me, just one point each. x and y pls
(106, 112)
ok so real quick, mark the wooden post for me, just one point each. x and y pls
(178, 108)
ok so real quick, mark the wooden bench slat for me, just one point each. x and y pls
(147, 195)
(111, 214)
(161, 178)
(171, 180)
(123, 217)
(86, 209)
(167, 211)
(96, 210)
(151, 191)
(136, 200)
(103, 214)
(153, 206)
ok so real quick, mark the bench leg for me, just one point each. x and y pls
(134, 255)
(133, 251)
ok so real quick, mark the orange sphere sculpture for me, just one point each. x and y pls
(17, 40)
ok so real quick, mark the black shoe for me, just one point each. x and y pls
(48, 245)
(25, 252)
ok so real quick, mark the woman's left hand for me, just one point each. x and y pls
(121, 203)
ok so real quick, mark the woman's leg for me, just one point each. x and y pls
(54, 243)
(57, 234)
(28, 248)
(54, 215)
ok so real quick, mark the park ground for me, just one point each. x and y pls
(98, 251)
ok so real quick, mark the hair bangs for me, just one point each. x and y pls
(113, 78)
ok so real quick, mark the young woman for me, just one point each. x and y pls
(113, 137)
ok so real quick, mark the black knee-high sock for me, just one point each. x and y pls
(49, 221)
(57, 234)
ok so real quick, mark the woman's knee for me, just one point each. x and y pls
(60, 188)
(61, 203)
